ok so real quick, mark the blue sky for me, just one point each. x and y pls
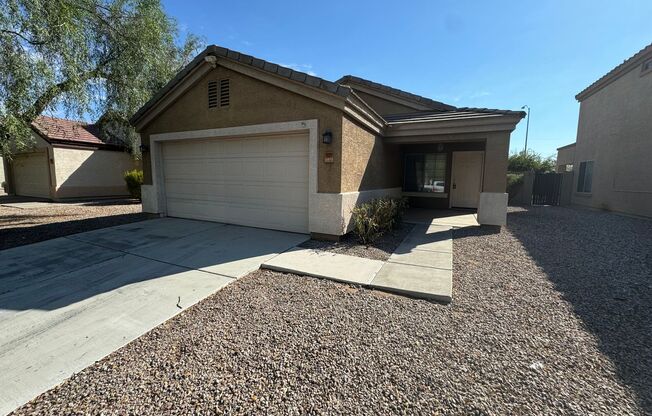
(499, 54)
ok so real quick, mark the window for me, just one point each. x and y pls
(585, 177)
(425, 172)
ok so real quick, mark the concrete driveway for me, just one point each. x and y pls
(66, 303)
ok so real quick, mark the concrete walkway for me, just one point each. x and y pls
(66, 303)
(420, 267)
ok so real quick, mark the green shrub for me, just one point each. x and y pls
(514, 184)
(134, 178)
(374, 218)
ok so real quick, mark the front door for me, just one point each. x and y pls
(466, 179)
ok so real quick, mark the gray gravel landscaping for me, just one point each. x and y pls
(550, 316)
(20, 226)
(349, 244)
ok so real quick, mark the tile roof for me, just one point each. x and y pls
(214, 50)
(461, 113)
(337, 88)
(435, 105)
(61, 130)
(624, 67)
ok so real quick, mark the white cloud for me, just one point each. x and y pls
(480, 94)
(307, 68)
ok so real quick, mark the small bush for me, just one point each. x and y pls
(134, 178)
(514, 184)
(374, 218)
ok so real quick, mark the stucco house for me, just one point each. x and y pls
(68, 160)
(236, 139)
(565, 158)
(614, 139)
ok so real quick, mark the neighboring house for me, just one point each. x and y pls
(235, 139)
(565, 158)
(68, 160)
(614, 139)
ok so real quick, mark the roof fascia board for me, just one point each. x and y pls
(492, 124)
(566, 146)
(171, 96)
(355, 113)
(388, 97)
(362, 112)
(90, 146)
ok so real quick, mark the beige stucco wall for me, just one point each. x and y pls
(367, 161)
(565, 156)
(495, 162)
(615, 131)
(252, 102)
(383, 107)
(85, 173)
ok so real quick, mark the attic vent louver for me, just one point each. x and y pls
(212, 94)
(225, 94)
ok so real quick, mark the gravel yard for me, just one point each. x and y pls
(349, 244)
(20, 226)
(550, 316)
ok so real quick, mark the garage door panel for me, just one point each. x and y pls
(32, 175)
(258, 181)
(255, 194)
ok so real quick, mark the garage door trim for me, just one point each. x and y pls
(305, 126)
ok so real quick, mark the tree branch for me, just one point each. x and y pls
(55, 90)
(25, 38)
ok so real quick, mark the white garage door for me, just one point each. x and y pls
(254, 181)
(32, 175)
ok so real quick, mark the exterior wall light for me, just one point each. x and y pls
(144, 148)
(327, 137)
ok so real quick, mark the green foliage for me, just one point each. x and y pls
(134, 178)
(532, 161)
(374, 218)
(85, 57)
(514, 183)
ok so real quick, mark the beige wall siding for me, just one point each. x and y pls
(495, 162)
(615, 131)
(252, 102)
(565, 156)
(382, 106)
(85, 173)
(367, 161)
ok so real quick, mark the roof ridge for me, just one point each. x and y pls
(603, 80)
(82, 122)
(395, 91)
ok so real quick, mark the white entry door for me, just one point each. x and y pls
(466, 179)
(257, 181)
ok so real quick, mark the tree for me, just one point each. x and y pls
(87, 57)
(530, 161)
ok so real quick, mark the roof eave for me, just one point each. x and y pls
(620, 70)
(490, 123)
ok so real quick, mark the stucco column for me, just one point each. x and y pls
(495, 162)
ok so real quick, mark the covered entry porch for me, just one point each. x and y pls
(455, 160)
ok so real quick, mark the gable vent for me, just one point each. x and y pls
(212, 94)
(225, 94)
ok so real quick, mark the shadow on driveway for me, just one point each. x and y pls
(602, 264)
(28, 234)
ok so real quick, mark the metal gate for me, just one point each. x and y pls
(547, 189)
